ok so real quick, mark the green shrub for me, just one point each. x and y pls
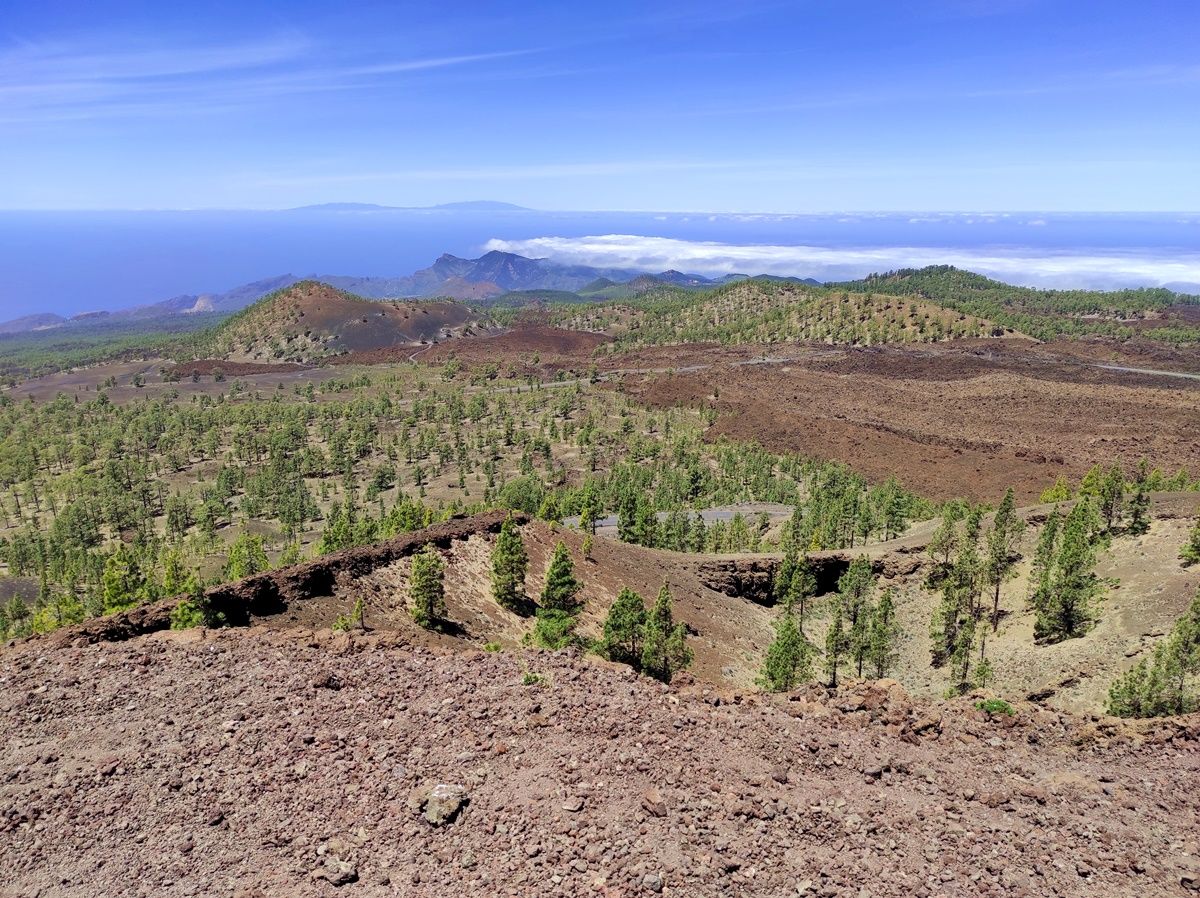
(995, 706)
(195, 612)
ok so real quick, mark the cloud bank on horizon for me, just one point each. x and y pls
(1022, 266)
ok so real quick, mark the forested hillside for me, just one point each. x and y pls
(1045, 314)
(108, 505)
(28, 355)
(757, 311)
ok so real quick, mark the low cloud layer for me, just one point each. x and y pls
(1029, 267)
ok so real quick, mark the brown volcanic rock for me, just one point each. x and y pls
(269, 593)
(216, 764)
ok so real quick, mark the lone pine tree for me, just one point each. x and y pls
(426, 589)
(624, 629)
(1066, 610)
(561, 586)
(1001, 546)
(664, 642)
(883, 635)
(788, 661)
(509, 563)
(1139, 502)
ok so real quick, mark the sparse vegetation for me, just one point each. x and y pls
(1163, 684)
(155, 481)
(1190, 553)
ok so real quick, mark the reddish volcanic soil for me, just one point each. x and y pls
(553, 348)
(946, 422)
(263, 763)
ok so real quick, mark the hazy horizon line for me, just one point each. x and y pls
(518, 207)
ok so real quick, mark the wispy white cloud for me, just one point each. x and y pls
(1021, 266)
(65, 63)
(953, 89)
(1165, 73)
(63, 82)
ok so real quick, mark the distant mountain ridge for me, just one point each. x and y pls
(35, 322)
(492, 274)
(467, 206)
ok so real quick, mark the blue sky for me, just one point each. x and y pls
(721, 106)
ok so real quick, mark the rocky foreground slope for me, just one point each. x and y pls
(262, 762)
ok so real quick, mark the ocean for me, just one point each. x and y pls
(69, 262)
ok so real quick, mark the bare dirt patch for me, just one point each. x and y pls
(528, 347)
(209, 367)
(946, 423)
(265, 763)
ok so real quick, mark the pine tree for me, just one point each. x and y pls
(961, 590)
(664, 643)
(1112, 496)
(623, 629)
(176, 579)
(884, 634)
(1043, 562)
(801, 589)
(123, 583)
(1092, 483)
(945, 538)
(426, 589)
(788, 662)
(1006, 527)
(1157, 686)
(836, 644)
(554, 629)
(1190, 553)
(246, 557)
(961, 653)
(1060, 492)
(561, 586)
(1139, 502)
(509, 563)
(855, 588)
(291, 555)
(1067, 611)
